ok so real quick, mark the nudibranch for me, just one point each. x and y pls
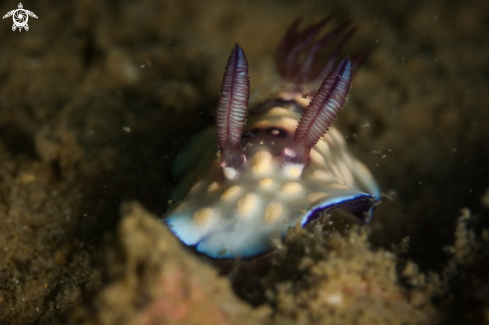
(282, 165)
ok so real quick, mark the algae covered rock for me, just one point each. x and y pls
(342, 280)
(154, 280)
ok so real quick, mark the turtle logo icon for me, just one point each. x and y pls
(20, 17)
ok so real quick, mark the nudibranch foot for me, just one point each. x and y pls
(283, 166)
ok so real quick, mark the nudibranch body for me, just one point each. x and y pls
(278, 167)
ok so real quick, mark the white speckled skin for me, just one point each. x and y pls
(229, 218)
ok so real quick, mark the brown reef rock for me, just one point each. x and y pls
(156, 281)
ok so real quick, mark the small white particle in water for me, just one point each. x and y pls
(420, 182)
(365, 125)
(454, 149)
(126, 129)
(142, 66)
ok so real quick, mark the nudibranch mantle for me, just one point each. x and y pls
(269, 174)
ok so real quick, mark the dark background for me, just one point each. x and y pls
(97, 98)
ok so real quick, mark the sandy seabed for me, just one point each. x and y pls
(97, 98)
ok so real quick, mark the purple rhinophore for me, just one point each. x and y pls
(322, 110)
(232, 108)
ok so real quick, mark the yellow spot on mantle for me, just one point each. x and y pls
(203, 216)
(273, 211)
(293, 171)
(261, 162)
(287, 123)
(291, 188)
(266, 182)
(212, 187)
(230, 192)
(247, 204)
